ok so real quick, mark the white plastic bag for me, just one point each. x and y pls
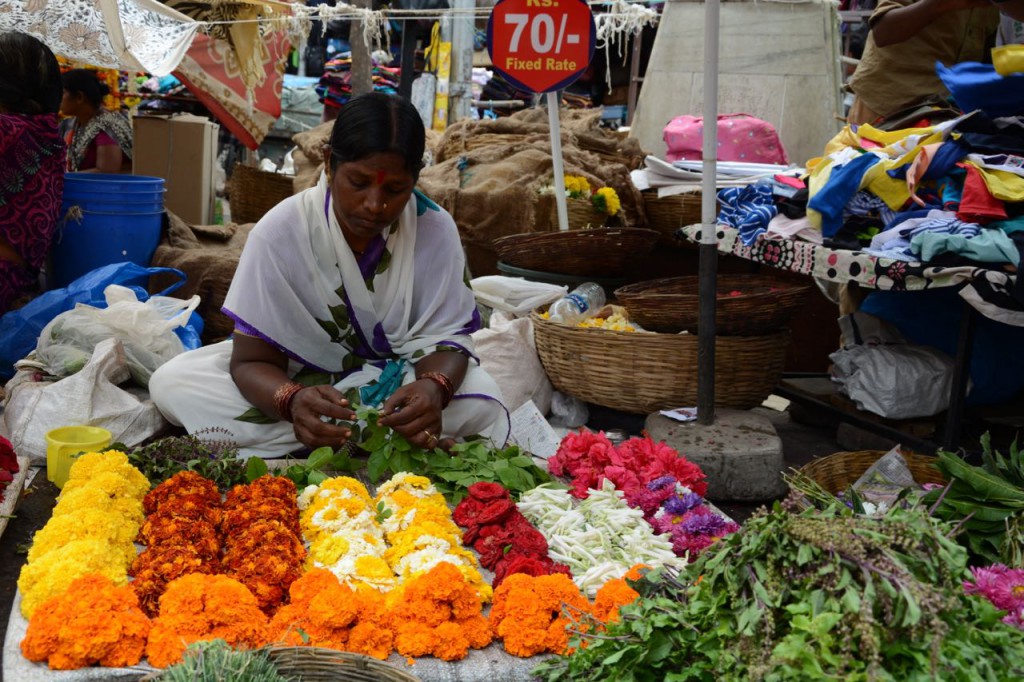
(886, 376)
(146, 329)
(91, 397)
(513, 294)
(507, 353)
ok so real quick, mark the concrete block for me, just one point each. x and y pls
(741, 453)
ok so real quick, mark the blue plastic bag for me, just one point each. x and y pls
(19, 329)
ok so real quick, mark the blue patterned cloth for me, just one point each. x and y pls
(748, 209)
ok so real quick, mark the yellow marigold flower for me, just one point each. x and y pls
(577, 186)
(88, 466)
(606, 200)
(417, 486)
(90, 497)
(113, 483)
(328, 549)
(333, 486)
(54, 572)
(87, 524)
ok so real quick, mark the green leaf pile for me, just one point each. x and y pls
(821, 595)
(988, 501)
(216, 661)
(215, 459)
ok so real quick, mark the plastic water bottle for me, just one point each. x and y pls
(583, 302)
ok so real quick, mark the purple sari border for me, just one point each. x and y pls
(460, 348)
(246, 328)
(484, 396)
(354, 321)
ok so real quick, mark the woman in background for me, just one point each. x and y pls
(98, 140)
(31, 162)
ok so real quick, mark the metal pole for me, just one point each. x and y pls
(709, 210)
(408, 59)
(462, 61)
(556, 161)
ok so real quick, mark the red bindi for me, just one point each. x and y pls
(380, 177)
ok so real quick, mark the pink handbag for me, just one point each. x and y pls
(741, 137)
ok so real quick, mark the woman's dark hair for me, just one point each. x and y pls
(84, 81)
(29, 75)
(374, 123)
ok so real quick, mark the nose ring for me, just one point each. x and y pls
(385, 205)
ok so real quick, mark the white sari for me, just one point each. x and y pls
(338, 318)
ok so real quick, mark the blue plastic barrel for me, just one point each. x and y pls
(105, 219)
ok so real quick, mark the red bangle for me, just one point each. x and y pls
(283, 397)
(447, 388)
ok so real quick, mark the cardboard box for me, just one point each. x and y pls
(182, 150)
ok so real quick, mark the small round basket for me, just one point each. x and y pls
(837, 472)
(668, 214)
(642, 372)
(746, 305)
(605, 251)
(319, 664)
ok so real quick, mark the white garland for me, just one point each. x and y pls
(624, 19)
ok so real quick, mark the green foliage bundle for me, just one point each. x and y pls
(216, 661)
(210, 453)
(987, 500)
(821, 595)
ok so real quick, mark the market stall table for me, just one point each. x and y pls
(984, 290)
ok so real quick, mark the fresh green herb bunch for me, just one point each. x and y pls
(451, 472)
(987, 500)
(210, 453)
(821, 595)
(216, 661)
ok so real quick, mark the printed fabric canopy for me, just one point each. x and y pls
(130, 35)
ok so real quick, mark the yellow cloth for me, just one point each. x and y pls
(1002, 185)
(1008, 59)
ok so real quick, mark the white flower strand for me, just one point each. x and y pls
(599, 539)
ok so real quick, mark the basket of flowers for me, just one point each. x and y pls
(586, 207)
(668, 214)
(745, 304)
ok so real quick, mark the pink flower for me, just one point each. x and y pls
(1008, 592)
(575, 450)
(985, 580)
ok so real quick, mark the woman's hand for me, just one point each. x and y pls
(414, 411)
(314, 402)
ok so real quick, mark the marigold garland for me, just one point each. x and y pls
(439, 614)
(528, 613)
(611, 597)
(93, 622)
(324, 612)
(105, 492)
(200, 607)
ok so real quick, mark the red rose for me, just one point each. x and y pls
(494, 512)
(529, 542)
(6, 476)
(465, 512)
(488, 492)
(8, 460)
(528, 565)
(491, 544)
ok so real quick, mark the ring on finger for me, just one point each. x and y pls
(430, 437)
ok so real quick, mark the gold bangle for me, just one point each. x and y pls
(283, 397)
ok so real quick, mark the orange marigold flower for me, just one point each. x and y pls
(186, 484)
(636, 572)
(93, 622)
(312, 583)
(155, 567)
(263, 535)
(167, 528)
(528, 613)
(263, 488)
(239, 517)
(612, 596)
(203, 607)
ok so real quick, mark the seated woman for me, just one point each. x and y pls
(31, 162)
(338, 287)
(99, 141)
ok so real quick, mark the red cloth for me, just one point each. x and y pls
(209, 71)
(977, 205)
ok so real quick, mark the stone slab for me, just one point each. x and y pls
(741, 453)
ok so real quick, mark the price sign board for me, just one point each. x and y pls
(541, 45)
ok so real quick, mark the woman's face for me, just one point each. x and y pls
(69, 103)
(369, 195)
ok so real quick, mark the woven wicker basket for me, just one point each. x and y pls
(836, 473)
(641, 373)
(581, 215)
(668, 214)
(318, 664)
(254, 192)
(671, 305)
(604, 252)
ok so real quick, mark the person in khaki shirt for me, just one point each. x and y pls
(907, 37)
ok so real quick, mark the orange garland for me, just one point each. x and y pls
(324, 612)
(439, 614)
(93, 622)
(201, 607)
(527, 613)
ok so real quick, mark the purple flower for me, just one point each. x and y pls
(661, 483)
(701, 524)
(680, 504)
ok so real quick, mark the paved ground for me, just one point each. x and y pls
(802, 442)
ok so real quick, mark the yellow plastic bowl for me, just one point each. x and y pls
(64, 443)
